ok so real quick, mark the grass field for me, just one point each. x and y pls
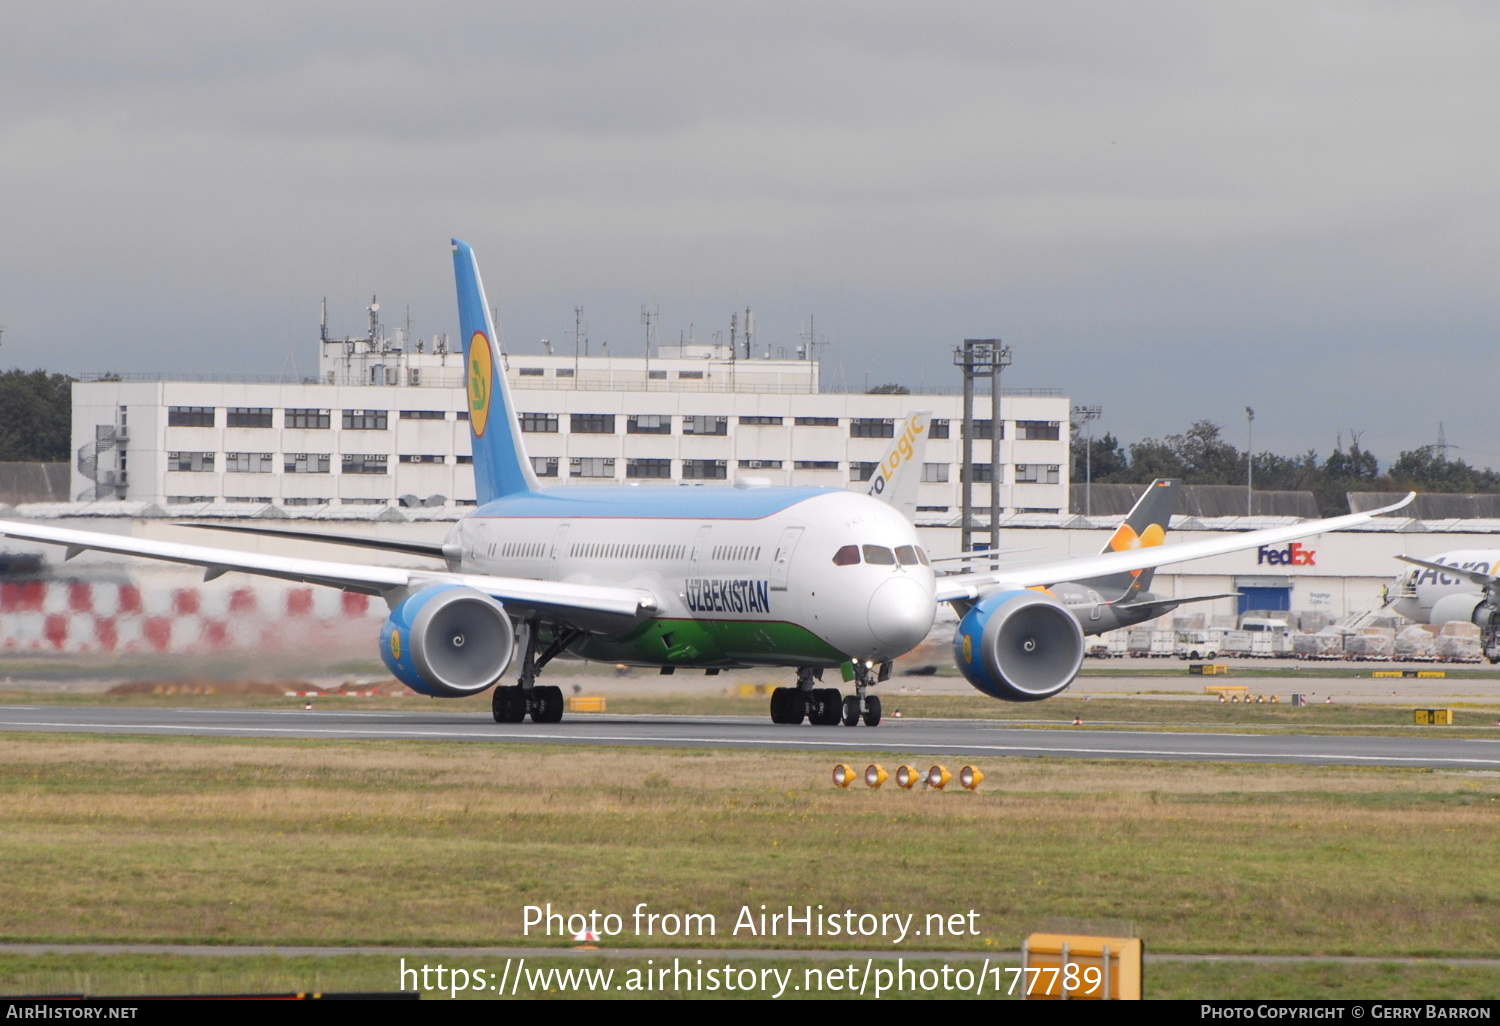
(397, 843)
(127, 975)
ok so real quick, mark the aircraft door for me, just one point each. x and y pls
(558, 540)
(700, 549)
(782, 563)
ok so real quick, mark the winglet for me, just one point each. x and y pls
(501, 466)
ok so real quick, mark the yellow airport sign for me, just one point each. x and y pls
(1064, 967)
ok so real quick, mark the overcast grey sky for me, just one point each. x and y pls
(1172, 210)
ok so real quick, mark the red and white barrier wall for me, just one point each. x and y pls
(82, 616)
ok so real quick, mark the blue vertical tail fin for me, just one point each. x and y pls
(501, 466)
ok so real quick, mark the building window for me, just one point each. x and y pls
(816, 464)
(760, 464)
(817, 422)
(937, 429)
(592, 424)
(565, 372)
(656, 375)
(307, 419)
(871, 427)
(188, 500)
(423, 415)
(304, 501)
(1037, 473)
(705, 425)
(532, 372)
(365, 420)
(248, 462)
(463, 415)
(423, 459)
(762, 421)
(649, 424)
(1038, 430)
(190, 416)
(539, 423)
(935, 473)
(364, 463)
(191, 462)
(462, 460)
(862, 471)
(592, 466)
(249, 500)
(248, 416)
(648, 468)
(541, 466)
(986, 429)
(981, 473)
(306, 463)
(932, 509)
(364, 502)
(704, 470)
(690, 375)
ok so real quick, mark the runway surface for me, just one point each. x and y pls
(915, 737)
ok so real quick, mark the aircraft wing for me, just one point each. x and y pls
(960, 587)
(582, 601)
(1486, 581)
(1171, 603)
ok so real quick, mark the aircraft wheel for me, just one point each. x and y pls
(851, 711)
(778, 705)
(796, 706)
(548, 704)
(829, 703)
(508, 705)
(872, 711)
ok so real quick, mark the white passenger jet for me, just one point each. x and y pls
(810, 579)
(1460, 585)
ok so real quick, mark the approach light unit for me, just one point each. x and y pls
(938, 777)
(875, 775)
(907, 777)
(843, 775)
(970, 777)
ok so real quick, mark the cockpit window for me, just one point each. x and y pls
(879, 555)
(906, 555)
(846, 556)
(922, 555)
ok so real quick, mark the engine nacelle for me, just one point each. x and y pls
(448, 641)
(1470, 608)
(1020, 646)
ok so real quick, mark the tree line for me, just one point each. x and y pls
(36, 411)
(1200, 455)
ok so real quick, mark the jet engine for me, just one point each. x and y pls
(448, 641)
(1470, 608)
(1019, 646)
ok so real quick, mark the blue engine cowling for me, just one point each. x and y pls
(448, 641)
(1020, 646)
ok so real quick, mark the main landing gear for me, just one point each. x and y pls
(827, 707)
(544, 702)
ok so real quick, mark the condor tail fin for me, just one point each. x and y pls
(1144, 527)
(501, 467)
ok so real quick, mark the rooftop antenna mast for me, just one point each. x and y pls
(649, 318)
(323, 322)
(749, 329)
(577, 340)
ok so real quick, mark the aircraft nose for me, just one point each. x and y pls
(901, 614)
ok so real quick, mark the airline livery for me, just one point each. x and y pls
(809, 579)
(1461, 585)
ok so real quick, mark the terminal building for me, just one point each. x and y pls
(384, 423)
